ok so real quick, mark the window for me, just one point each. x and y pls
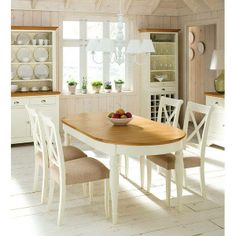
(78, 62)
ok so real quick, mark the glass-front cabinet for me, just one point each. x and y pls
(159, 70)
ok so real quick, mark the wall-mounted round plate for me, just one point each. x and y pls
(191, 37)
(191, 54)
(201, 47)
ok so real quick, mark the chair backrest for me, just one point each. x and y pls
(54, 144)
(200, 129)
(168, 111)
(38, 134)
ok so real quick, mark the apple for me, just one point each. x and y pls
(120, 111)
(128, 114)
(116, 115)
(110, 114)
(123, 116)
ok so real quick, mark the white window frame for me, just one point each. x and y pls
(83, 52)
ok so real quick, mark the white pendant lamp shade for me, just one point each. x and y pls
(147, 46)
(217, 60)
(134, 47)
(92, 45)
(101, 45)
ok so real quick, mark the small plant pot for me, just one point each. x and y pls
(84, 91)
(72, 89)
(108, 90)
(97, 89)
(118, 87)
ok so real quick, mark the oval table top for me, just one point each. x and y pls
(138, 132)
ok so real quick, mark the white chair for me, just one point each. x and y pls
(168, 112)
(82, 170)
(40, 152)
(194, 152)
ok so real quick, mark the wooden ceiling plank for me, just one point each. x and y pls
(33, 3)
(155, 5)
(127, 6)
(192, 5)
(214, 4)
(98, 4)
(66, 3)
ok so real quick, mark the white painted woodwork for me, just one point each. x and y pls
(155, 5)
(20, 125)
(127, 6)
(33, 3)
(98, 4)
(217, 125)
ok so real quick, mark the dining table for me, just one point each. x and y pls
(140, 137)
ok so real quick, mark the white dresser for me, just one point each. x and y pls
(217, 124)
(46, 103)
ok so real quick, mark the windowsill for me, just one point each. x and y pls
(66, 94)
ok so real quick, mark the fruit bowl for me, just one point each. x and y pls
(118, 121)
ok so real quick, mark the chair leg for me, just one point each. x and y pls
(168, 186)
(185, 178)
(44, 184)
(85, 185)
(126, 166)
(51, 192)
(149, 175)
(203, 185)
(142, 163)
(61, 203)
(90, 191)
(36, 176)
(106, 197)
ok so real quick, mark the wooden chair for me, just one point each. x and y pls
(194, 153)
(82, 170)
(168, 112)
(40, 152)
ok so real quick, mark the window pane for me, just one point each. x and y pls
(113, 30)
(94, 30)
(117, 72)
(94, 70)
(71, 29)
(71, 64)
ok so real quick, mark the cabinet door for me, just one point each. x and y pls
(20, 125)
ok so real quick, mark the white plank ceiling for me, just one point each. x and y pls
(130, 7)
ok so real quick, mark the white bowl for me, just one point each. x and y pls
(117, 121)
(14, 88)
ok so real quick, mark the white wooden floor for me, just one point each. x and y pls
(139, 213)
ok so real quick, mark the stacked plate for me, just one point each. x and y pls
(24, 55)
(23, 39)
(41, 71)
(40, 54)
(25, 72)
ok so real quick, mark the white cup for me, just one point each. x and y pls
(34, 41)
(45, 41)
(40, 41)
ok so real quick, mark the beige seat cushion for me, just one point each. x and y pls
(81, 170)
(70, 153)
(167, 161)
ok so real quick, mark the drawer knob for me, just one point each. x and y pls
(216, 102)
(16, 102)
(43, 100)
(163, 89)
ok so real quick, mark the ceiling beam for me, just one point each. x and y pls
(192, 5)
(155, 5)
(33, 3)
(127, 6)
(98, 4)
(66, 3)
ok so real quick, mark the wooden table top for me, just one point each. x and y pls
(40, 93)
(138, 132)
(215, 94)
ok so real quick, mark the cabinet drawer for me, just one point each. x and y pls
(42, 100)
(163, 90)
(214, 101)
(19, 102)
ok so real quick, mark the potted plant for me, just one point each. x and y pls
(72, 85)
(118, 85)
(108, 86)
(96, 84)
(84, 85)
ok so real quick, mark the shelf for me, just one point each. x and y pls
(30, 46)
(31, 63)
(30, 80)
(162, 55)
(164, 42)
(161, 70)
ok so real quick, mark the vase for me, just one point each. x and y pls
(84, 91)
(72, 89)
(97, 89)
(107, 90)
(118, 87)
(219, 83)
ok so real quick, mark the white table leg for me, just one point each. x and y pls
(179, 170)
(142, 170)
(66, 139)
(114, 185)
